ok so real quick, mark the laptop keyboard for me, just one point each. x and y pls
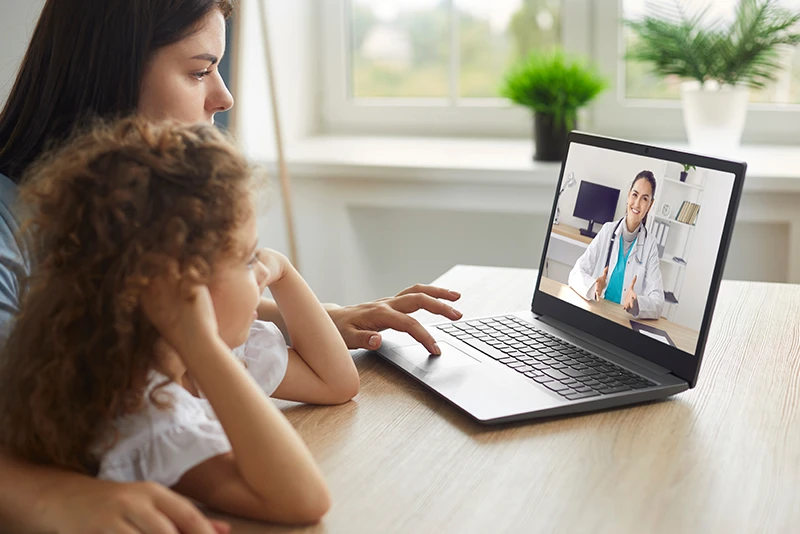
(568, 370)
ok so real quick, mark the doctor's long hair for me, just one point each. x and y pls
(650, 177)
(111, 209)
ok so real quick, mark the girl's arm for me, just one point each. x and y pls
(42, 499)
(320, 368)
(360, 324)
(270, 474)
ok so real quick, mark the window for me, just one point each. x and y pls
(642, 105)
(434, 66)
(428, 48)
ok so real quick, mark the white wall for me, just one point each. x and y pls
(293, 57)
(17, 21)
(704, 247)
(365, 238)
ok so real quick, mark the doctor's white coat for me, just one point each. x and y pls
(649, 286)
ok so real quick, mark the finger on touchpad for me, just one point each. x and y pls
(450, 357)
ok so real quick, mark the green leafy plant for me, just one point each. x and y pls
(686, 167)
(551, 83)
(693, 47)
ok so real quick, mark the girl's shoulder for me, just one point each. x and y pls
(265, 355)
(171, 433)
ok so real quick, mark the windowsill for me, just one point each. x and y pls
(499, 161)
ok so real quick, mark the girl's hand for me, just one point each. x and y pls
(181, 311)
(275, 263)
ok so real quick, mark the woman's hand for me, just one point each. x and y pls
(359, 324)
(181, 311)
(630, 297)
(600, 284)
(134, 508)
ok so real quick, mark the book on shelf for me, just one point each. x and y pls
(687, 213)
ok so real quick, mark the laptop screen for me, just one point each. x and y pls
(635, 240)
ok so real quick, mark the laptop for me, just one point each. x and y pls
(584, 345)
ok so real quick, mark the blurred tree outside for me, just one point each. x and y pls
(405, 51)
(536, 26)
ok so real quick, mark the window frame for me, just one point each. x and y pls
(490, 117)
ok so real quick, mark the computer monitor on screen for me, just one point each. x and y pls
(596, 203)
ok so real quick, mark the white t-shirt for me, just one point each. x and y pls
(161, 445)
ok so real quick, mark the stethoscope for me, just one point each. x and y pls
(614, 237)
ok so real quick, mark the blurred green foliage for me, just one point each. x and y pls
(746, 52)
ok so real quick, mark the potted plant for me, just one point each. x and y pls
(554, 87)
(718, 62)
(685, 171)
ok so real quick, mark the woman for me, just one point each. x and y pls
(621, 264)
(108, 58)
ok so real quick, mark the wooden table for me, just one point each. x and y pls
(722, 458)
(684, 338)
(572, 233)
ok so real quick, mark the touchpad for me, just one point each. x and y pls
(450, 357)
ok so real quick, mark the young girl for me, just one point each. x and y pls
(159, 60)
(147, 278)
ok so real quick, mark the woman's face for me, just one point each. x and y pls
(182, 80)
(640, 199)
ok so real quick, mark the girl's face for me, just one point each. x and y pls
(182, 80)
(239, 280)
(640, 199)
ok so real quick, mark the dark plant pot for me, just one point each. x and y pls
(550, 138)
(684, 174)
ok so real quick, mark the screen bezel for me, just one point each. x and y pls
(681, 364)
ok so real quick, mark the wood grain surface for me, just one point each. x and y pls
(724, 457)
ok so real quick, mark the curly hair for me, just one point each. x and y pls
(110, 210)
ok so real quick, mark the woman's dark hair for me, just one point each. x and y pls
(650, 177)
(86, 59)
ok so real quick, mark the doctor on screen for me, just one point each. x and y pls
(621, 264)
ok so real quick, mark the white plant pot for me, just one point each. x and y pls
(714, 116)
